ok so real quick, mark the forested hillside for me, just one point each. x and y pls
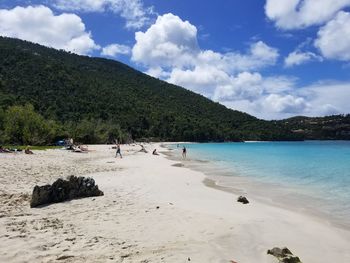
(325, 128)
(96, 100)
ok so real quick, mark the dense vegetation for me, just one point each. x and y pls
(325, 128)
(21, 125)
(47, 94)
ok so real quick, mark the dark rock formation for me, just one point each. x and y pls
(243, 200)
(283, 255)
(62, 190)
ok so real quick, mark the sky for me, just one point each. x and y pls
(270, 58)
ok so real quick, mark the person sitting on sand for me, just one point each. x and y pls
(4, 150)
(79, 149)
(83, 148)
(155, 152)
(76, 149)
(118, 151)
(143, 149)
(28, 151)
(184, 151)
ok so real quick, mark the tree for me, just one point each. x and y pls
(22, 125)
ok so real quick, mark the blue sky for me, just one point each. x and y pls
(273, 59)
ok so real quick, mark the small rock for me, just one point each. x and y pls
(157, 207)
(243, 200)
(284, 255)
(188, 259)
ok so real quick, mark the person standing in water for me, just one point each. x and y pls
(184, 151)
(118, 151)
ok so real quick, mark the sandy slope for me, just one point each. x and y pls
(192, 221)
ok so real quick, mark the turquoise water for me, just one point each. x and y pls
(319, 169)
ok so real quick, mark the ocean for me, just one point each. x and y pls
(313, 176)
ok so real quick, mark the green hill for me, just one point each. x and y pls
(336, 127)
(82, 95)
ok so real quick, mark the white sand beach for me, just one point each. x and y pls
(152, 211)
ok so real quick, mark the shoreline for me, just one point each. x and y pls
(152, 211)
(274, 194)
(210, 181)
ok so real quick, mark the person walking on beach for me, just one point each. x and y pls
(118, 151)
(184, 151)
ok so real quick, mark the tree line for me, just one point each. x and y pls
(22, 125)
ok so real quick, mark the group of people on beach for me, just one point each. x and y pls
(82, 148)
(143, 149)
(10, 150)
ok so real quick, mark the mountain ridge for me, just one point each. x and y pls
(69, 88)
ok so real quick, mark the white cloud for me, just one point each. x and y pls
(114, 50)
(202, 79)
(291, 14)
(319, 99)
(274, 97)
(334, 38)
(169, 42)
(279, 84)
(298, 57)
(157, 72)
(40, 25)
(245, 86)
(327, 98)
(133, 11)
(277, 103)
(81, 5)
(169, 50)
(263, 97)
(258, 56)
(251, 86)
(316, 100)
